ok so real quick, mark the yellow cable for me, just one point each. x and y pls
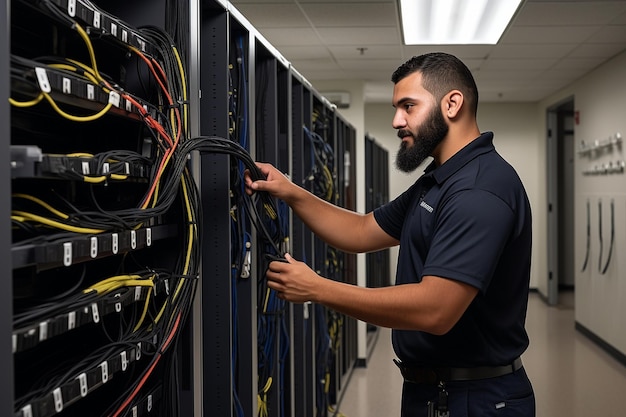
(144, 312)
(26, 103)
(77, 118)
(53, 223)
(105, 289)
(115, 278)
(79, 155)
(92, 54)
(183, 81)
(41, 203)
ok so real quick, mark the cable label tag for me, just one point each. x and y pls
(42, 79)
(133, 239)
(27, 411)
(114, 98)
(105, 371)
(114, 243)
(96, 19)
(67, 253)
(71, 320)
(58, 400)
(91, 92)
(123, 360)
(43, 331)
(71, 8)
(82, 382)
(94, 313)
(93, 250)
(67, 86)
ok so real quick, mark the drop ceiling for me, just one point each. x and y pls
(549, 44)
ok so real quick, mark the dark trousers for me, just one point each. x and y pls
(505, 396)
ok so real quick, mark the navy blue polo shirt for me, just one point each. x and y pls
(468, 220)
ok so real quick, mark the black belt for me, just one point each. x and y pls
(420, 375)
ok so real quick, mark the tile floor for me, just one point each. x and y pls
(571, 375)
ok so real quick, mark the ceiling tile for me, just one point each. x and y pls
(551, 34)
(359, 36)
(574, 14)
(343, 14)
(273, 15)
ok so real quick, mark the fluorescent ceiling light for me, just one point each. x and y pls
(455, 22)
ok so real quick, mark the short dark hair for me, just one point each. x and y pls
(441, 73)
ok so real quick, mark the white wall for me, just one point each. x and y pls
(600, 100)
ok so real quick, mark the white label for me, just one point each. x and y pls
(149, 402)
(71, 8)
(85, 167)
(124, 360)
(82, 382)
(124, 36)
(96, 19)
(27, 411)
(133, 239)
(67, 86)
(138, 352)
(93, 250)
(105, 371)
(94, 313)
(91, 92)
(43, 331)
(113, 29)
(114, 243)
(42, 79)
(114, 98)
(148, 237)
(67, 253)
(58, 400)
(71, 320)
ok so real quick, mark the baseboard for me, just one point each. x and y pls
(618, 355)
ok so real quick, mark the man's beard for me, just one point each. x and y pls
(431, 134)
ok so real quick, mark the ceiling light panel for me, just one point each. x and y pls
(455, 22)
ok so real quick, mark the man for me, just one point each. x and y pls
(464, 228)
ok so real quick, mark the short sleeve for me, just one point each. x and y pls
(472, 225)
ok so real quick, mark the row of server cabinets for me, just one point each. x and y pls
(137, 258)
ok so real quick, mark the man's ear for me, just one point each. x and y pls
(452, 104)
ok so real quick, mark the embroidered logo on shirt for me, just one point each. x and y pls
(425, 205)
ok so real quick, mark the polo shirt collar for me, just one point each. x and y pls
(479, 146)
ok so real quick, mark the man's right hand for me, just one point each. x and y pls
(275, 182)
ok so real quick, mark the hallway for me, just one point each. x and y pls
(571, 375)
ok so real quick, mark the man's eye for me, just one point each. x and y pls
(408, 106)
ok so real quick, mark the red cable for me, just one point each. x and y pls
(148, 372)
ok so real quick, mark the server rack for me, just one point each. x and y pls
(100, 288)
(241, 90)
(6, 287)
(377, 186)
